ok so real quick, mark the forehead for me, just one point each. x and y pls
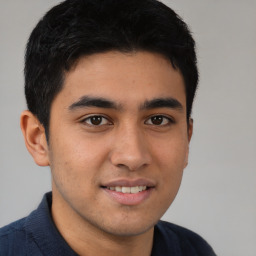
(123, 77)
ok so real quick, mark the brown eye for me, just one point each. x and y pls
(96, 120)
(159, 120)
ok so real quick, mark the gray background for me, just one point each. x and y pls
(218, 195)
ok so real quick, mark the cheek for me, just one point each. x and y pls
(77, 151)
(170, 158)
(72, 176)
(76, 162)
(171, 153)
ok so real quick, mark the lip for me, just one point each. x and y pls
(130, 183)
(129, 199)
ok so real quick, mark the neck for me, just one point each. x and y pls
(86, 239)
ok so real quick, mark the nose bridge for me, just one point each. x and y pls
(130, 148)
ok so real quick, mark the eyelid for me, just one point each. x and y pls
(87, 117)
(170, 120)
(164, 116)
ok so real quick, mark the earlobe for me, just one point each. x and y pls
(35, 139)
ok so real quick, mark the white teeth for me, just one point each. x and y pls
(126, 190)
(135, 190)
(118, 189)
(132, 190)
(141, 188)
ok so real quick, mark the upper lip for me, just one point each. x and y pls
(129, 183)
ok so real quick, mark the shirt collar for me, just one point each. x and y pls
(42, 230)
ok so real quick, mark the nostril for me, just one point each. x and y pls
(121, 165)
(130, 156)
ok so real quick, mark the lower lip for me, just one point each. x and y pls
(129, 198)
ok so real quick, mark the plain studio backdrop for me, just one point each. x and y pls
(217, 198)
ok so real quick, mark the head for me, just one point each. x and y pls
(109, 86)
(78, 28)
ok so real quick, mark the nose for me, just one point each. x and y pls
(130, 150)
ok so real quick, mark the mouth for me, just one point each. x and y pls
(129, 192)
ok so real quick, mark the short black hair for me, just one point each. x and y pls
(76, 28)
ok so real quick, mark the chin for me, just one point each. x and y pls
(129, 231)
(127, 226)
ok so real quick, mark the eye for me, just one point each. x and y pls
(159, 120)
(96, 120)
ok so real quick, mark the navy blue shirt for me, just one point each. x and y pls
(37, 235)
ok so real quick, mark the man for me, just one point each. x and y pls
(109, 87)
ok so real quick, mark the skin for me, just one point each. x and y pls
(126, 143)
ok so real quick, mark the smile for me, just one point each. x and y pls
(128, 190)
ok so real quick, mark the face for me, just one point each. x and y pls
(119, 140)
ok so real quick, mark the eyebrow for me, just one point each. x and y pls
(99, 102)
(162, 103)
(88, 101)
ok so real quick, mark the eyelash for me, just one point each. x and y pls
(167, 119)
(96, 116)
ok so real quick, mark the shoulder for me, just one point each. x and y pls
(186, 241)
(13, 238)
(181, 232)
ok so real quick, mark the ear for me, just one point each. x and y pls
(190, 129)
(35, 139)
(190, 132)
